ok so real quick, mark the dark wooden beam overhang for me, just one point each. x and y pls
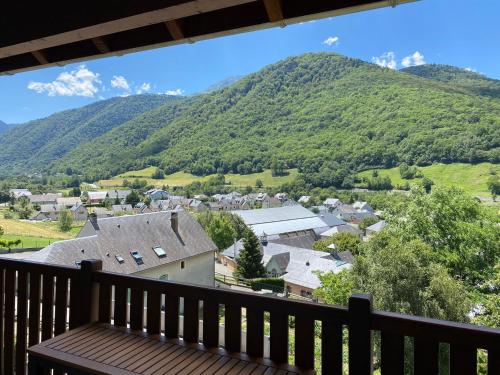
(41, 34)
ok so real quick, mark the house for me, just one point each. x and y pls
(331, 220)
(142, 208)
(121, 195)
(197, 205)
(48, 212)
(97, 197)
(319, 209)
(68, 202)
(304, 199)
(79, 212)
(156, 194)
(362, 207)
(122, 208)
(297, 266)
(161, 245)
(102, 212)
(18, 193)
(349, 213)
(281, 196)
(375, 228)
(281, 220)
(332, 203)
(346, 228)
(43, 199)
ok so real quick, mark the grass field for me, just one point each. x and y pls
(29, 241)
(470, 177)
(182, 178)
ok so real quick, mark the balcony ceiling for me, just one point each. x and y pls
(48, 33)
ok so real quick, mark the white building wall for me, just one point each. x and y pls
(199, 270)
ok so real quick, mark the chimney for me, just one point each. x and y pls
(174, 222)
(93, 220)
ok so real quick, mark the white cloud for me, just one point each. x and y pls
(120, 82)
(79, 82)
(175, 92)
(413, 60)
(386, 60)
(331, 41)
(145, 87)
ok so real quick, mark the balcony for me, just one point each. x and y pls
(41, 301)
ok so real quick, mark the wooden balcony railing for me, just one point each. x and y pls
(40, 301)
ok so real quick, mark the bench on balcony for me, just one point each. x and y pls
(105, 349)
(42, 304)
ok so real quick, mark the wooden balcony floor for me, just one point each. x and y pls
(105, 349)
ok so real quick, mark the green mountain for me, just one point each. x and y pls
(464, 79)
(224, 83)
(326, 114)
(5, 127)
(31, 147)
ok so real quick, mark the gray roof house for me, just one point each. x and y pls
(40, 199)
(375, 228)
(279, 220)
(120, 194)
(121, 208)
(342, 229)
(18, 193)
(165, 245)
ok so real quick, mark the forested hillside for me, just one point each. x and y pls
(4, 127)
(326, 114)
(31, 147)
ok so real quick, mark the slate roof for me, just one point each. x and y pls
(122, 235)
(377, 227)
(120, 194)
(52, 208)
(68, 201)
(331, 201)
(330, 219)
(341, 228)
(121, 208)
(305, 273)
(305, 241)
(97, 195)
(49, 197)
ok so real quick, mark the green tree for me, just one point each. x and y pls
(133, 198)
(23, 207)
(343, 241)
(158, 174)
(65, 220)
(259, 184)
(427, 184)
(367, 221)
(75, 192)
(336, 288)
(494, 186)
(249, 262)
(221, 231)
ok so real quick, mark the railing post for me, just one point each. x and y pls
(89, 291)
(360, 335)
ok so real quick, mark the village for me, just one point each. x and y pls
(157, 234)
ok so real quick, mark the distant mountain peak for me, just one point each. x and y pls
(226, 82)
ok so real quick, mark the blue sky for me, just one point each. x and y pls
(430, 31)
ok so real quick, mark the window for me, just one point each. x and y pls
(119, 259)
(160, 252)
(137, 257)
(183, 264)
(78, 263)
(164, 277)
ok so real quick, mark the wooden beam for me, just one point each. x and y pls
(101, 45)
(274, 11)
(175, 29)
(41, 57)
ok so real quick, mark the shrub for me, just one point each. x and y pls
(275, 284)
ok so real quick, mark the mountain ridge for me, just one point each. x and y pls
(323, 113)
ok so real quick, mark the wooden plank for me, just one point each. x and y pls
(136, 308)
(120, 316)
(360, 336)
(100, 44)
(426, 356)
(171, 316)
(304, 342)
(154, 312)
(185, 355)
(331, 347)
(463, 359)
(199, 362)
(113, 348)
(22, 315)
(173, 353)
(117, 351)
(255, 332)
(61, 305)
(210, 324)
(34, 309)
(175, 29)
(74, 304)
(232, 328)
(393, 354)
(41, 57)
(274, 10)
(9, 320)
(104, 303)
(279, 337)
(47, 306)
(191, 320)
(178, 369)
(151, 358)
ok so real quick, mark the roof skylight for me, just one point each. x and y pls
(120, 259)
(160, 252)
(137, 257)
